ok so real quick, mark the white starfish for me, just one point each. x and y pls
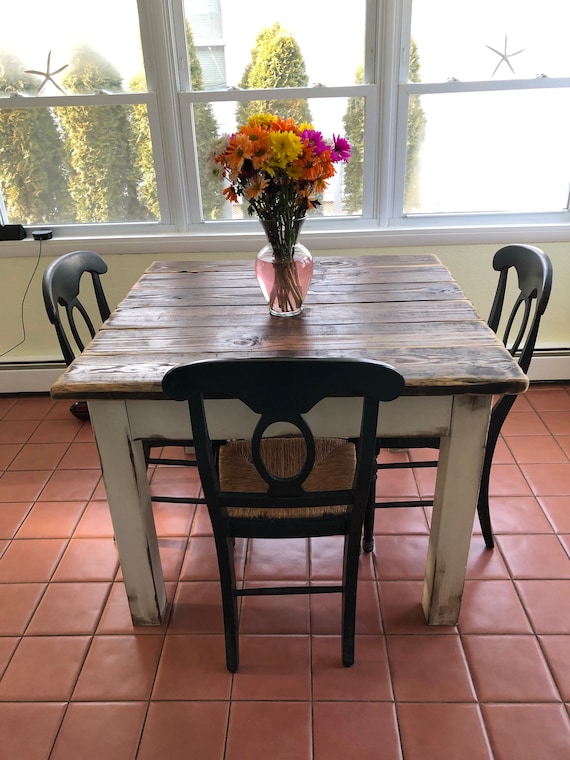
(504, 56)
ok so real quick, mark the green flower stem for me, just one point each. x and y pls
(286, 291)
(282, 233)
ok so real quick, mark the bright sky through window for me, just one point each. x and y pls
(108, 26)
(453, 38)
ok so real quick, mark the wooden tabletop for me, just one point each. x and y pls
(406, 310)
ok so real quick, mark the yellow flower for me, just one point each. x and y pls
(285, 147)
(262, 120)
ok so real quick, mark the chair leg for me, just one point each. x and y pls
(350, 583)
(80, 410)
(225, 550)
(483, 502)
(368, 528)
(146, 450)
(498, 416)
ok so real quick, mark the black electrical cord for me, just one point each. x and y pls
(23, 322)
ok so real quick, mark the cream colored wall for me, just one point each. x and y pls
(470, 265)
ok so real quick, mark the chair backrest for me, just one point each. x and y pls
(534, 271)
(284, 391)
(61, 285)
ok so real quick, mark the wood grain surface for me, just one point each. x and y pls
(402, 309)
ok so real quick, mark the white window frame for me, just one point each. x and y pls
(386, 89)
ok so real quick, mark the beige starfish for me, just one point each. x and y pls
(48, 75)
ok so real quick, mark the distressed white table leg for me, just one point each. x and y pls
(126, 483)
(455, 501)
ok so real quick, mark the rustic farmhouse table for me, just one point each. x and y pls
(403, 309)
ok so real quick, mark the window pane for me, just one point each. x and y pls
(296, 43)
(484, 39)
(491, 151)
(70, 47)
(340, 116)
(84, 164)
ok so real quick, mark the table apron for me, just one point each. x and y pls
(406, 416)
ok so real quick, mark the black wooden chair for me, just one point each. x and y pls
(519, 328)
(61, 285)
(289, 486)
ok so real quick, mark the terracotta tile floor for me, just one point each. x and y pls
(79, 682)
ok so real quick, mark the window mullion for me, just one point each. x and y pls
(371, 151)
(158, 22)
(400, 151)
(374, 10)
(390, 170)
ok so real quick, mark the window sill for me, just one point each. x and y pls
(335, 238)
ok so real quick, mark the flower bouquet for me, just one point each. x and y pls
(280, 169)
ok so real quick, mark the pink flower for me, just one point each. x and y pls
(341, 149)
(315, 139)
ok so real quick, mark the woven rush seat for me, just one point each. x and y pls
(335, 465)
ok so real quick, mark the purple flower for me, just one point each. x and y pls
(341, 149)
(315, 139)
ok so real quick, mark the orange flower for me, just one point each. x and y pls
(319, 186)
(230, 194)
(258, 145)
(255, 186)
(242, 144)
(285, 125)
(236, 153)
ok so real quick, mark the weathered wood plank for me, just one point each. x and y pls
(247, 315)
(335, 262)
(435, 371)
(318, 293)
(322, 276)
(219, 337)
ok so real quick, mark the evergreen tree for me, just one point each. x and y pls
(32, 159)
(416, 132)
(276, 61)
(143, 158)
(205, 133)
(353, 121)
(102, 182)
